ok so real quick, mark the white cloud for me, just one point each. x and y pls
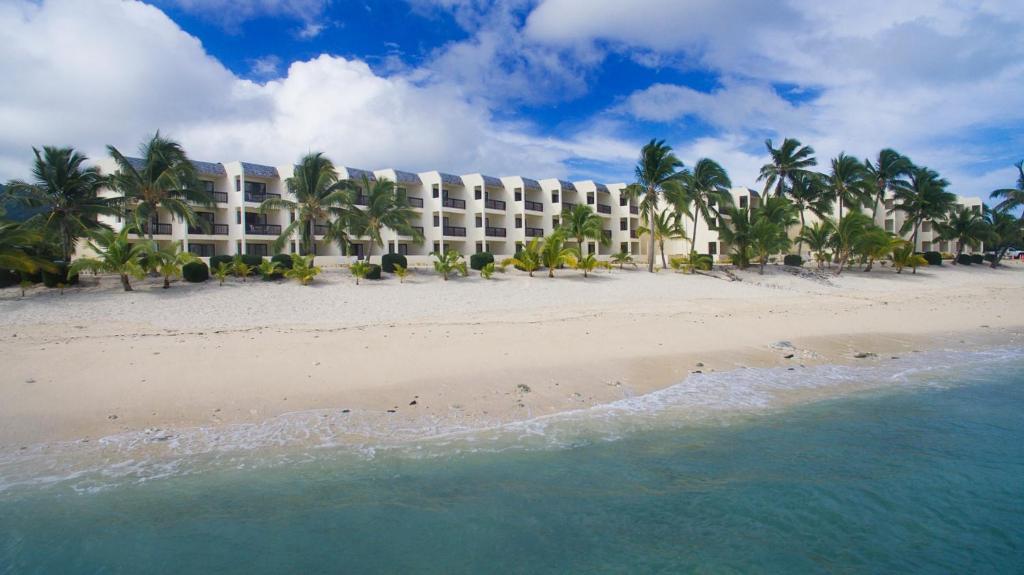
(232, 13)
(116, 88)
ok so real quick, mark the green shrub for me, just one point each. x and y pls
(990, 258)
(947, 255)
(284, 260)
(964, 260)
(793, 260)
(374, 273)
(195, 272)
(977, 259)
(216, 260)
(933, 258)
(34, 278)
(478, 261)
(60, 276)
(9, 278)
(388, 261)
(252, 261)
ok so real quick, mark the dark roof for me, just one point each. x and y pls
(531, 184)
(491, 181)
(451, 179)
(601, 187)
(204, 168)
(259, 171)
(407, 177)
(357, 174)
(566, 185)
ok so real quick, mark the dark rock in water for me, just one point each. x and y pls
(791, 369)
(523, 388)
(783, 345)
(346, 410)
(700, 364)
(788, 356)
(391, 411)
(864, 354)
(696, 371)
(413, 402)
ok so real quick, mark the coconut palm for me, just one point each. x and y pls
(582, 223)
(114, 254)
(623, 258)
(924, 199)
(767, 237)
(164, 179)
(1005, 232)
(527, 258)
(487, 270)
(707, 189)
(1012, 198)
(809, 193)
(402, 272)
(319, 195)
(554, 253)
(874, 244)
(847, 233)
(303, 269)
(359, 270)
(787, 161)
(887, 172)
(240, 268)
(269, 269)
(848, 182)
(818, 238)
(168, 260)
(666, 227)
(903, 256)
(587, 263)
(449, 262)
(658, 171)
(386, 207)
(736, 233)
(16, 249)
(221, 272)
(65, 195)
(966, 227)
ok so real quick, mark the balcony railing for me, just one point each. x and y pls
(568, 206)
(320, 229)
(263, 229)
(259, 198)
(457, 231)
(604, 209)
(634, 210)
(495, 232)
(415, 202)
(214, 230)
(220, 197)
(534, 232)
(158, 229)
(417, 228)
(494, 204)
(533, 206)
(454, 203)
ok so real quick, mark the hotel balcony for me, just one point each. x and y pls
(259, 198)
(454, 203)
(320, 229)
(494, 205)
(263, 229)
(455, 231)
(635, 210)
(213, 230)
(607, 234)
(218, 197)
(568, 206)
(494, 232)
(534, 232)
(604, 209)
(415, 202)
(417, 228)
(158, 229)
(533, 206)
(362, 200)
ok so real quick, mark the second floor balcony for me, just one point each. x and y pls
(607, 234)
(494, 204)
(534, 232)
(263, 229)
(157, 228)
(418, 229)
(415, 202)
(260, 197)
(568, 206)
(320, 229)
(454, 203)
(495, 232)
(604, 209)
(211, 230)
(533, 206)
(455, 231)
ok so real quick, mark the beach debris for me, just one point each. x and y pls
(346, 410)
(864, 354)
(700, 364)
(112, 416)
(523, 388)
(413, 402)
(30, 380)
(788, 356)
(391, 411)
(782, 344)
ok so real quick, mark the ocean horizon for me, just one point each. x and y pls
(917, 469)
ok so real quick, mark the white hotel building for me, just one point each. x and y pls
(470, 213)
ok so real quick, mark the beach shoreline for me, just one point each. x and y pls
(468, 368)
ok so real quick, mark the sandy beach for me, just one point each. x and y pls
(96, 361)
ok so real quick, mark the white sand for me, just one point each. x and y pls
(208, 355)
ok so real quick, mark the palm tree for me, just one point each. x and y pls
(65, 194)
(165, 179)
(809, 193)
(318, 195)
(303, 269)
(623, 258)
(587, 263)
(114, 254)
(903, 255)
(554, 253)
(386, 207)
(818, 238)
(1006, 231)
(788, 161)
(582, 223)
(924, 199)
(767, 236)
(707, 188)
(965, 226)
(666, 227)
(658, 171)
(1012, 197)
(848, 231)
(526, 259)
(736, 233)
(359, 270)
(885, 173)
(448, 262)
(16, 249)
(873, 244)
(168, 260)
(847, 182)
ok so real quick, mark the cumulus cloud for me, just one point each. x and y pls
(80, 86)
(232, 13)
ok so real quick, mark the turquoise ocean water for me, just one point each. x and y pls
(925, 475)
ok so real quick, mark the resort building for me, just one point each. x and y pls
(470, 213)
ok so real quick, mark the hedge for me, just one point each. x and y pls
(51, 279)
(478, 261)
(977, 259)
(284, 261)
(990, 258)
(35, 278)
(793, 260)
(195, 272)
(933, 258)
(9, 278)
(374, 273)
(251, 260)
(388, 261)
(215, 261)
(964, 260)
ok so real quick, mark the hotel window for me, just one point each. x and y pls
(890, 225)
(743, 202)
(623, 224)
(391, 248)
(477, 192)
(437, 221)
(624, 247)
(712, 248)
(479, 247)
(403, 249)
(238, 184)
(437, 247)
(554, 197)
(238, 247)
(623, 200)
(400, 190)
(713, 224)
(976, 209)
(435, 190)
(944, 247)
(292, 250)
(519, 222)
(238, 217)
(590, 199)
(555, 222)
(519, 194)
(519, 247)
(926, 227)
(208, 186)
(479, 221)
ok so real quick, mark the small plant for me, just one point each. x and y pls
(389, 261)
(903, 256)
(303, 269)
(478, 261)
(195, 272)
(222, 271)
(694, 262)
(269, 269)
(240, 267)
(623, 258)
(792, 260)
(24, 284)
(359, 270)
(487, 271)
(449, 262)
(526, 259)
(586, 263)
(402, 272)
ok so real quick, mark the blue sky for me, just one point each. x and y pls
(542, 88)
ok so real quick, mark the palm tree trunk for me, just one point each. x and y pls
(125, 283)
(66, 244)
(661, 246)
(800, 242)
(840, 206)
(650, 242)
(959, 250)
(913, 246)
